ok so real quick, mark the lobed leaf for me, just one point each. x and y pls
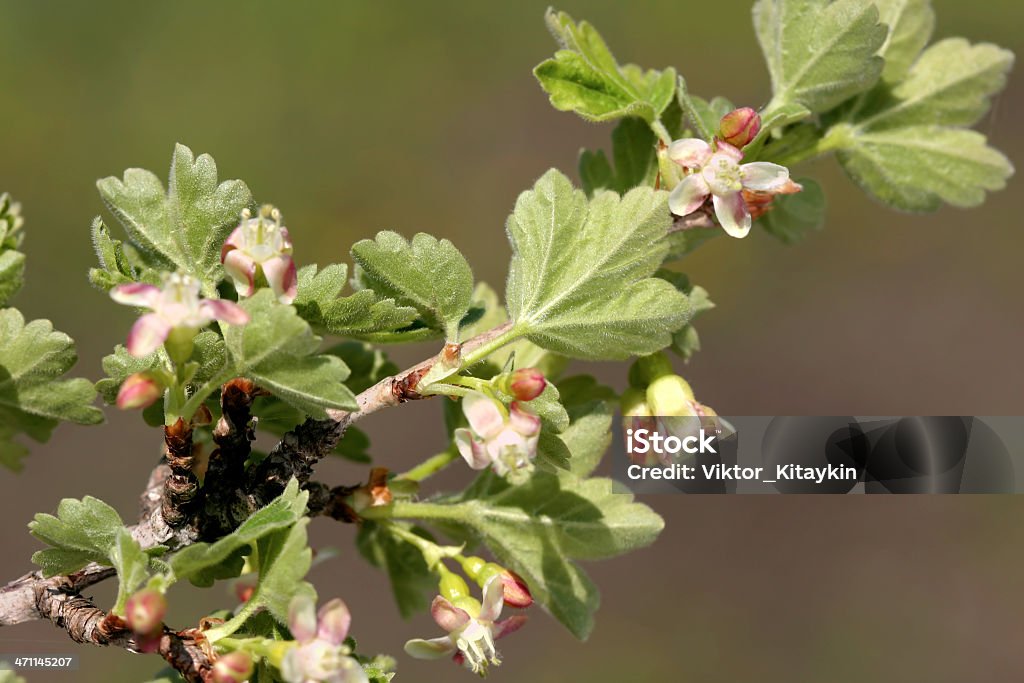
(83, 531)
(358, 315)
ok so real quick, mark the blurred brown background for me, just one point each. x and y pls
(355, 117)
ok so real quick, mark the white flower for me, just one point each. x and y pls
(321, 654)
(504, 441)
(471, 633)
(258, 245)
(718, 173)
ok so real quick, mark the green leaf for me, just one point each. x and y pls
(636, 162)
(83, 531)
(579, 282)
(276, 349)
(412, 583)
(428, 274)
(919, 167)
(118, 366)
(285, 558)
(132, 565)
(793, 216)
(358, 315)
(588, 436)
(115, 267)
(910, 23)
(819, 53)
(686, 342)
(196, 561)
(539, 528)
(182, 227)
(33, 399)
(12, 262)
(584, 77)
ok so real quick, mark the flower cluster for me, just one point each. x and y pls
(258, 249)
(503, 439)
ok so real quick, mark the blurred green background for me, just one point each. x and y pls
(355, 117)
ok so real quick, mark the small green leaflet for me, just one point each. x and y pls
(182, 227)
(580, 281)
(199, 562)
(115, 266)
(83, 531)
(132, 565)
(12, 261)
(429, 274)
(277, 350)
(538, 529)
(633, 150)
(904, 144)
(285, 558)
(819, 53)
(685, 341)
(584, 77)
(910, 23)
(118, 366)
(33, 398)
(359, 315)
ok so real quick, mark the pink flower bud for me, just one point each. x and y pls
(140, 390)
(233, 667)
(527, 384)
(145, 612)
(517, 593)
(739, 127)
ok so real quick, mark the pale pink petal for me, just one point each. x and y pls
(729, 151)
(334, 620)
(242, 270)
(435, 648)
(136, 294)
(689, 152)
(280, 274)
(483, 413)
(448, 616)
(148, 333)
(286, 241)
(507, 440)
(522, 420)
(764, 176)
(732, 213)
(493, 599)
(471, 450)
(688, 195)
(302, 618)
(506, 626)
(236, 240)
(221, 309)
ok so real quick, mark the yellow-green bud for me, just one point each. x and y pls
(634, 403)
(473, 566)
(452, 586)
(671, 395)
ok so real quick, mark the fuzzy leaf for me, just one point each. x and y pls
(277, 350)
(685, 341)
(793, 216)
(579, 282)
(82, 532)
(910, 23)
(819, 53)
(115, 266)
(633, 149)
(12, 262)
(33, 399)
(132, 565)
(539, 528)
(118, 366)
(196, 561)
(428, 274)
(360, 314)
(584, 77)
(285, 559)
(182, 227)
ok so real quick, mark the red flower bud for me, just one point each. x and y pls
(140, 390)
(527, 384)
(517, 593)
(233, 667)
(739, 127)
(145, 612)
(244, 591)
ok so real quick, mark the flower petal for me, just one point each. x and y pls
(221, 309)
(448, 616)
(729, 151)
(764, 176)
(136, 294)
(483, 413)
(333, 621)
(506, 626)
(435, 648)
(494, 598)
(242, 270)
(236, 240)
(280, 274)
(471, 450)
(688, 195)
(302, 618)
(522, 420)
(732, 213)
(148, 333)
(689, 152)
